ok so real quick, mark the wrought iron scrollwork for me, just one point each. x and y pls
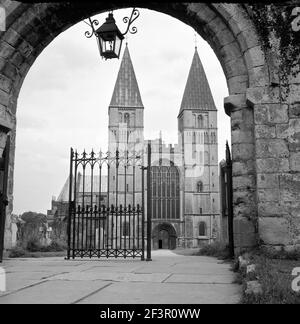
(127, 20)
(92, 24)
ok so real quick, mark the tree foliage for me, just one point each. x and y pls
(34, 218)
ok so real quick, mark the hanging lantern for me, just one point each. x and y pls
(109, 38)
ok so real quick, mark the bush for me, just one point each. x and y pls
(280, 254)
(54, 246)
(17, 252)
(58, 245)
(33, 245)
(45, 248)
(216, 249)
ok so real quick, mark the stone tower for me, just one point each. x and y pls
(197, 126)
(126, 110)
(126, 132)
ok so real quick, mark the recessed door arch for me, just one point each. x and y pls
(164, 236)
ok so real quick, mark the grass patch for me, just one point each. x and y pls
(17, 252)
(186, 251)
(216, 249)
(274, 272)
(21, 253)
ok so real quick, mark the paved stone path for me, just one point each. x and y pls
(169, 278)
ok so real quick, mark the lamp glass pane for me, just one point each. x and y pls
(100, 45)
(108, 46)
(118, 43)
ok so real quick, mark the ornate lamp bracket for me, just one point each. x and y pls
(92, 24)
(127, 20)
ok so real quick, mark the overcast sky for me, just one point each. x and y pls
(64, 99)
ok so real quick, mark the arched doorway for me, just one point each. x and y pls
(164, 237)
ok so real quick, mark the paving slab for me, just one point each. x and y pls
(167, 293)
(18, 280)
(200, 279)
(169, 278)
(54, 292)
(204, 268)
(115, 268)
(110, 276)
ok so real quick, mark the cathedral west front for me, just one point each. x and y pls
(184, 176)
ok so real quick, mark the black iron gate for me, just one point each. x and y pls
(4, 162)
(226, 198)
(107, 205)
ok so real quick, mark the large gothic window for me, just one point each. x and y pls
(165, 192)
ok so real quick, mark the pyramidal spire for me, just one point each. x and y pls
(126, 92)
(197, 93)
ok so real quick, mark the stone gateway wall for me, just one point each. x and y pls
(258, 48)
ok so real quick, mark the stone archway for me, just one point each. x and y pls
(164, 237)
(265, 153)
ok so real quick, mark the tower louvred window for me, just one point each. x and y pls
(127, 119)
(199, 186)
